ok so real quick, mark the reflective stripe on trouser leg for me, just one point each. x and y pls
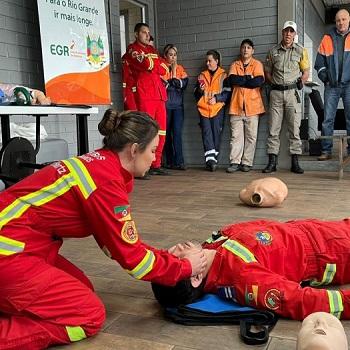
(75, 333)
(336, 306)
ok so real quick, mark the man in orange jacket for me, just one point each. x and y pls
(147, 68)
(246, 77)
(272, 265)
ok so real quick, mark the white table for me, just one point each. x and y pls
(43, 111)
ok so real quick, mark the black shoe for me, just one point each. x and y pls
(211, 165)
(245, 168)
(271, 166)
(295, 165)
(158, 171)
(233, 168)
(144, 177)
(179, 167)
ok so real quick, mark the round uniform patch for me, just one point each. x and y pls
(263, 237)
(273, 299)
(129, 232)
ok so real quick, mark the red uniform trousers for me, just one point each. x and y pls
(156, 109)
(39, 300)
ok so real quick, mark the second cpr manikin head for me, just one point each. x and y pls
(265, 192)
(321, 331)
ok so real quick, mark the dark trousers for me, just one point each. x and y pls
(211, 135)
(173, 141)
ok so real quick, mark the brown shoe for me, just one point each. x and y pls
(324, 156)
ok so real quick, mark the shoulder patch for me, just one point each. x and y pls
(263, 237)
(273, 299)
(129, 232)
(122, 213)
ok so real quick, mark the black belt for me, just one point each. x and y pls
(283, 87)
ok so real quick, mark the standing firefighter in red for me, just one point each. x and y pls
(46, 300)
(147, 68)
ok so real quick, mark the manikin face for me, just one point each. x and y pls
(321, 331)
(144, 159)
(171, 56)
(288, 36)
(246, 52)
(212, 63)
(143, 35)
(342, 21)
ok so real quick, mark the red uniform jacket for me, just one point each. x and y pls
(78, 197)
(147, 67)
(262, 264)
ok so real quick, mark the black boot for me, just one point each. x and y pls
(271, 166)
(295, 165)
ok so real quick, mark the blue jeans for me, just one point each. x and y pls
(332, 96)
(173, 141)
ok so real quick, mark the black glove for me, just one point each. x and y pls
(300, 84)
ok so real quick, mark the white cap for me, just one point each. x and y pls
(290, 24)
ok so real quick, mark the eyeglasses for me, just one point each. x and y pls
(287, 30)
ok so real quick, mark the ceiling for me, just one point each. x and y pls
(336, 3)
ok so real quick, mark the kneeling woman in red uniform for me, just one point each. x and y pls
(44, 299)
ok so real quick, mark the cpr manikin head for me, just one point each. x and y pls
(266, 192)
(321, 331)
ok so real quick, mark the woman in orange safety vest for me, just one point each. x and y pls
(211, 97)
(45, 299)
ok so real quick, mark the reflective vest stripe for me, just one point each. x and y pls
(48, 193)
(239, 250)
(144, 267)
(10, 246)
(336, 306)
(161, 132)
(75, 333)
(328, 275)
(81, 175)
(40, 197)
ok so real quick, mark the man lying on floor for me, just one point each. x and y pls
(272, 265)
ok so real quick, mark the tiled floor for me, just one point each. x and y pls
(190, 205)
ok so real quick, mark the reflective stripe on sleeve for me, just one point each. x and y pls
(336, 306)
(328, 276)
(162, 132)
(239, 250)
(81, 175)
(151, 63)
(75, 333)
(144, 267)
(10, 246)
